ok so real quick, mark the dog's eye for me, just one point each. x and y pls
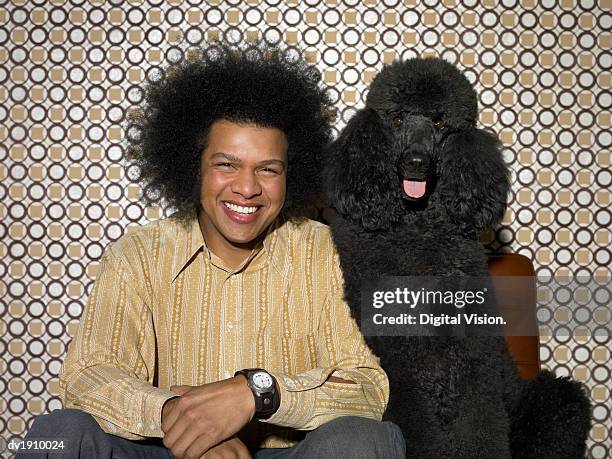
(439, 124)
(397, 121)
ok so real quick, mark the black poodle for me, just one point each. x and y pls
(414, 183)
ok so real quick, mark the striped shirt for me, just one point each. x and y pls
(164, 310)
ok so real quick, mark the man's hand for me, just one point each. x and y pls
(228, 449)
(204, 416)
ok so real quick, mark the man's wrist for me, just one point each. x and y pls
(245, 394)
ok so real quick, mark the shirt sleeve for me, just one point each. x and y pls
(109, 367)
(308, 399)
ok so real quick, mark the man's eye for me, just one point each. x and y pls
(268, 170)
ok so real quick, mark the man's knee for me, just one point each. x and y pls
(78, 432)
(357, 437)
(64, 423)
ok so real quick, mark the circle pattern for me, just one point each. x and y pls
(70, 75)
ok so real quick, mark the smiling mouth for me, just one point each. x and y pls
(242, 215)
(245, 210)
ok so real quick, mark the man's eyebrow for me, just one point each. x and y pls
(272, 161)
(226, 156)
(235, 159)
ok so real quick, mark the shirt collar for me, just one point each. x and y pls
(190, 242)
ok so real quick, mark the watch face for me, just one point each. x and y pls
(262, 380)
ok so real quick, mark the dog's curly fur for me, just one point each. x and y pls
(258, 84)
(415, 182)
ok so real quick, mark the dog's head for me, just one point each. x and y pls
(415, 147)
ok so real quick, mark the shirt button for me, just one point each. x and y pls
(153, 426)
(227, 375)
(229, 325)
(139, 425)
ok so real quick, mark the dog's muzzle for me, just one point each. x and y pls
(415, 165)
(415, 173)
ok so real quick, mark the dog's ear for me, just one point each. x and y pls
(358, 173)
(473, 180)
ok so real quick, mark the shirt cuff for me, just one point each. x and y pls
(148, 417)
(297, 397)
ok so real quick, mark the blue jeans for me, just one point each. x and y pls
(346, 437)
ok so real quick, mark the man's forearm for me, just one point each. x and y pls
(316, 397)
(122, 404)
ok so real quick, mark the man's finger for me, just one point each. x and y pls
(203, 446)
(170, 414)
(231, 448)
(183, 442)
(176, 439)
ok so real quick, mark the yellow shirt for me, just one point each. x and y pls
(164, 311)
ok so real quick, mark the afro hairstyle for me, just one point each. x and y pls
(257, 84)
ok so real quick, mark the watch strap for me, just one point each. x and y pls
(266, 402)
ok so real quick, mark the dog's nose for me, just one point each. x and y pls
(414, 162)
(416, 159)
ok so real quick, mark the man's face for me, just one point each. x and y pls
(244, 172)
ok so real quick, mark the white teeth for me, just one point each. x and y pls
(240, 209)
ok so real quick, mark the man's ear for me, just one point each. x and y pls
(473, 180)
(358, 173)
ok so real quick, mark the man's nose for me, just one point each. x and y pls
(246, 184)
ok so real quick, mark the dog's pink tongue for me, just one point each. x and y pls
(414, 189)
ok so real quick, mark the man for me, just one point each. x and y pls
(223, 330)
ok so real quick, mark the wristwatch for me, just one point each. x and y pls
(263, 386)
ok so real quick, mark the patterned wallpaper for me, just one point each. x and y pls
(69, 75)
